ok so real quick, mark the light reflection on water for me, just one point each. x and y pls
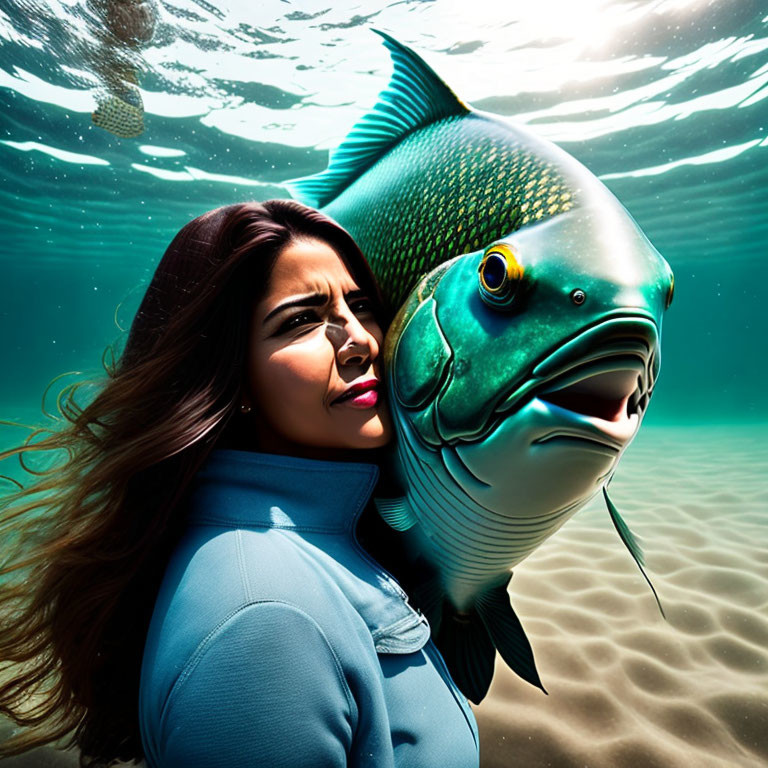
(665, 101)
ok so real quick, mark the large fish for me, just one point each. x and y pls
(524, 352)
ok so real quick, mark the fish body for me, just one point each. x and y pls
(522, 356)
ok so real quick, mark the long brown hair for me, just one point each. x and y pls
(83, 548)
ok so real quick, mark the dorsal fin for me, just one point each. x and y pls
(415, 97)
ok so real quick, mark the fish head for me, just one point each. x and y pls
(525, 368)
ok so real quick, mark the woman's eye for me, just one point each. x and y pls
(296, 321)
(361, 306)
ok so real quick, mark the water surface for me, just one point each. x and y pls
(665, 100)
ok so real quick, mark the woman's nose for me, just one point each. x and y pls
(353, 343)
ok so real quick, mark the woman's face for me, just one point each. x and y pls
(314, 368)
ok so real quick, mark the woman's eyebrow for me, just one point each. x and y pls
(310, 300)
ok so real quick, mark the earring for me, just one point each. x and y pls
(245, 408)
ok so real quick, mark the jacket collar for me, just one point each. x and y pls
(245, 488)
(313, 495)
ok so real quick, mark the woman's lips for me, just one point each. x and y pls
(362, 395)
(363, 400)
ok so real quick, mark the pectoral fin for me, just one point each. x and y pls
(397, 513)
(468, 652)
(507, 633)
(631, 544)
(427, 590)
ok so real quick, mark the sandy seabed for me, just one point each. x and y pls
(628, 689)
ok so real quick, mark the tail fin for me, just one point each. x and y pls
(469, 641)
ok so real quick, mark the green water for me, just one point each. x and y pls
(665, 101)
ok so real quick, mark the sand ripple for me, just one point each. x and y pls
(627, 689)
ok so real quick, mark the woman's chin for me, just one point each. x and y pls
(372, 439)
(375, 433)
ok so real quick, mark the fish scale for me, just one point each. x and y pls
(419, 219)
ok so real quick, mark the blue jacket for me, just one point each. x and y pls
(277, 640)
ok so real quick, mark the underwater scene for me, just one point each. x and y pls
(121, 120)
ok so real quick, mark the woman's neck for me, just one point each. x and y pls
(239, 439)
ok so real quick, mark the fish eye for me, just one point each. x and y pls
(671, 291)
(500, 275)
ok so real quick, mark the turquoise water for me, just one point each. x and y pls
(665, 101)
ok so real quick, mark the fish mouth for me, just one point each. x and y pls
(606, 394)
(599, 382)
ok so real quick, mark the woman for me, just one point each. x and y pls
(228, 460)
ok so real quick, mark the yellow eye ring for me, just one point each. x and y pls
(498, 267)
(500, 274)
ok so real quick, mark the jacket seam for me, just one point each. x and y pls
(362, 497)
(405, 621)
(207, 642)
(228, 522)
(241, 565)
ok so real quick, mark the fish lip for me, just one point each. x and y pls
(607, 422)
(582, 435)
(632, 337)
